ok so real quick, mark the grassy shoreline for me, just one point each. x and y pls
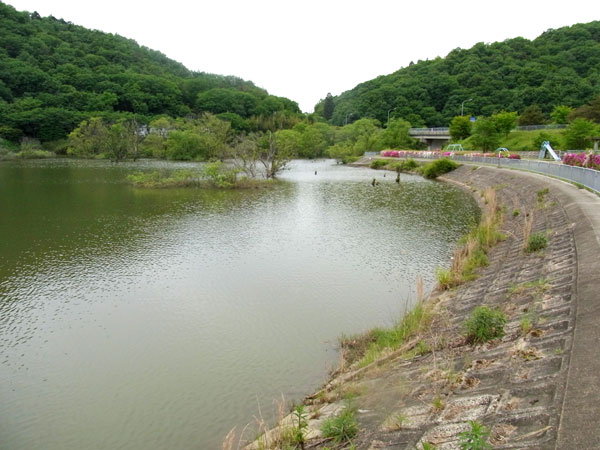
(411, 336)
(213, 176)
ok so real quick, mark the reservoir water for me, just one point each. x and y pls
(154, 319)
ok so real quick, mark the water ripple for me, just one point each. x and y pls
(155, 319)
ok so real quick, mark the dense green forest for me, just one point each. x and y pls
(560, 67)
(54, 74)
(65, 89)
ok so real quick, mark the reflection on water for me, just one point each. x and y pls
(158, 318)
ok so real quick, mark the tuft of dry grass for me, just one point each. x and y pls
(228, 441)
(472, 254)
(419, 288)
(527, 227)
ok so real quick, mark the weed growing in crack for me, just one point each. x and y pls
(396, 422)
(343, 427)
(484, 324)
(526, 325)
(428, 446)
(536, 242)
(438, 404)
(476, 438)
(300, 425)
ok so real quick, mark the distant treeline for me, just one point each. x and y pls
(560, 67)
(54, 74)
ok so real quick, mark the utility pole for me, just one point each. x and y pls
(462, 106)
(347, 115)
(388, 119)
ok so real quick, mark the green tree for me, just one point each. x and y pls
(117, 143)
(532, 115)
(273, 157)
(578, 133)
(460, 128)
(591, 111)
(328, 106)
(505, 121)
(184, 145)
(395, 135)
(90, 138)
(340, 152)
(215, 135)
(245, 153)
(154, 145)
(561, 113)
(485, 134)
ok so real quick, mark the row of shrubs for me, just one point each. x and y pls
(582, 160)
(429, 170)
(433, 154)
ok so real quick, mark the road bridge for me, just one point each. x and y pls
(435, 138)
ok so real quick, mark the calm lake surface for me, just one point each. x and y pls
(155, 319)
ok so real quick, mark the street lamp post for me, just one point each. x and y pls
(462, 106)
(388, 117)
(347, 115)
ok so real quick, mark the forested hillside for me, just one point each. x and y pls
(54, 74)
(560, 67)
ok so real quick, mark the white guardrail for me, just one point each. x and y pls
(587, 177)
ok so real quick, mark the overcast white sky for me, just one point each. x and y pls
(304, 49)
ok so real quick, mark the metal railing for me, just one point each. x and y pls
(553, 126)
(440, 131)
(587, 177)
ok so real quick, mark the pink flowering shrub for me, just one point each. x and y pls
(582, 160)
(405, 153)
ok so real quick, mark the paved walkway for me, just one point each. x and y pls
(580, 417)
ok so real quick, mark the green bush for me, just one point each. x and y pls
(341, 428)
(475, 438)
(444, 278)
(378, 163)
(220, 175)
(407, 165)
(349, 159)
(34, 154)
(438, 167)
(485, 324)
(537, 241)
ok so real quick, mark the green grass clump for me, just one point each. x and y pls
(428, 446)
(536, 287)
(164, 179)
(379, 163)
(369, 347)
(525, 324)
(476, 438)
(484, 324)
(537, 241)
(476, 260)
(343, 427)
(34, 154)
(349, 159)
(445, 278)
(213, 176)
(438, 167)
(406, 165)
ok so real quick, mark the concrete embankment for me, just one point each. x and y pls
(538, 387)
